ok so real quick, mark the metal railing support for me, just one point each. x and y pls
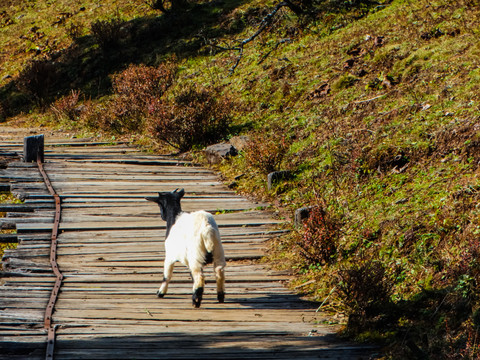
(33, 148)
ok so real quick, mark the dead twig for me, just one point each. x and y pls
(368, 100)
(304, 284)
(324, 301)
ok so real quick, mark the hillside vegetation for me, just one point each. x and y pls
(372, 105)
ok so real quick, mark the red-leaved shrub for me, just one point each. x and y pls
(194, 117)
(37, 80)
(319, 237)
(135, 89)
(266, 153)
(140, 84)
(364, 289)
(67, 106)
(107, 33)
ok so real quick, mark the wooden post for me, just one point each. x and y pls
(33, 148)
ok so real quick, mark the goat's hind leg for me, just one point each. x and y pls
(220, 277)
(198, 285)
(167, 276)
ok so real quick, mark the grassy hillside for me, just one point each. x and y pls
(373, 106)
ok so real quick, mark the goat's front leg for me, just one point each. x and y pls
(167, 276)
(198, 285)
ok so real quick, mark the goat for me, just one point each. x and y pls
(192, 239)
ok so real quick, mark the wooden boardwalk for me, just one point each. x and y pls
(110, 251)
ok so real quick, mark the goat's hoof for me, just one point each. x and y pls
(197, 298)
(160, 295)
(221, 297)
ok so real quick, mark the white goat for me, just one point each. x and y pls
(194, 240)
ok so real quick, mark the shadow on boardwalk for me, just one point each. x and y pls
(234, 344)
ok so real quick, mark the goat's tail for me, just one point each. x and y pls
(211, 238)
(213, 244)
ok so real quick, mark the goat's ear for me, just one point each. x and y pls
(181, 193)
(154, 199)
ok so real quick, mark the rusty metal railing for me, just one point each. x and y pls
(48, 321)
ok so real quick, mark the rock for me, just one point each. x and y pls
(361, 73)
(80, 109)
(322, 90)
(379, 41)
(240, 142)
(349, 63)
(302, 214)
(354, 51)
(276, 176)
(216, 153)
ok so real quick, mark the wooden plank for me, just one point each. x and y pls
(144, 225)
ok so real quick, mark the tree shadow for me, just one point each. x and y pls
(274, 302)
(234, 344)
(237, 343)
(210, 338)
(90, 61)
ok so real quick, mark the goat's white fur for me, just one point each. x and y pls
(190, 238)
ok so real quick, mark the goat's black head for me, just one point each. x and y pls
(169, 203)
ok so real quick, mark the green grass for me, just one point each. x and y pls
(7, 198)
(391, 149)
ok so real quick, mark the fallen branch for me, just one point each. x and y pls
(368, 100)
(324, 301)
(304, 284)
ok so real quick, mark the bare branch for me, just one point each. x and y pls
(266, 22)
(283, 41)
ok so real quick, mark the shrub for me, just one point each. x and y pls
(192, 118)
(319, 238)
(139, 85)
(111, 116)
(136, 88)
(121, 116)
(266, 153)
(74, 30)
(67, 106)
(37, 80)
(364, 290)
(166, 6)
(3, 114)
(93, 116)
(345, 81)
(465, 275)
(107, 33)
